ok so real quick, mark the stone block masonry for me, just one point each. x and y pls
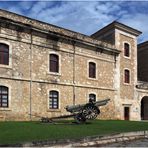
(30, 80)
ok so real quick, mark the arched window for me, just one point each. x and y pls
(92, 98)
(54, 63)
(92, 70)
(126, 76)
(53, 99)
(3, 96)
(126, 49)
(4, 54)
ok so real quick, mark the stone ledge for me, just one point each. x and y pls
(87, 141)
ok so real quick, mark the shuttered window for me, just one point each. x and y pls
(92, 70)
(4, 54)
(126, 50)
(54, 63)
(126, 76)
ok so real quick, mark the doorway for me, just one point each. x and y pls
(126, 113)
(144, 108)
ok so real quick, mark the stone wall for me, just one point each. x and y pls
(127, 92)
(29, 80)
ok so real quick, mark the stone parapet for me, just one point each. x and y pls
(88, 141)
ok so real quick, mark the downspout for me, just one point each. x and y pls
(30, 97)
(115, 59)
(74, 89)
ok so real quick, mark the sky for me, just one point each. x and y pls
(85, 17)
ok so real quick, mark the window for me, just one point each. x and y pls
(126, 76)
(92, 98)
(4, 54)
(53, 99)
(92, 70)
(54, 63)
(3, 96)
(126, 49)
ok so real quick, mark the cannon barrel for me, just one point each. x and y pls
(78, 108)
(101, 102)
(74, 108)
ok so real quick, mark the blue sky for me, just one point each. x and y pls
(84, 16)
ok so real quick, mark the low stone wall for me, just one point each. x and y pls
(87, 141)
(113, 138)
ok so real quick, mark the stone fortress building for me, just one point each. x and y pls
(43, 68)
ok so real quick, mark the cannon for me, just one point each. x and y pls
(88, 111)
(81, 112)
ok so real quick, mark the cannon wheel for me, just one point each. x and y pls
(80, 118)
(90, 112)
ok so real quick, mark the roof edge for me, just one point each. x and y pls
(117, 25)
(143, 44)
(58, 32)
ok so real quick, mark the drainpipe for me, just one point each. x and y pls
(115, 59)
(30, 97)
(74, 96)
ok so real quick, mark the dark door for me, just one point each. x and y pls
(126, 113)
(144, 108)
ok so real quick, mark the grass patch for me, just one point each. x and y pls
(19, 132)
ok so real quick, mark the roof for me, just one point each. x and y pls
(55, 30)
(143, 44)
(119, 26)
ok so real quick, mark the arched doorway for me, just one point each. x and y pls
(144, 108)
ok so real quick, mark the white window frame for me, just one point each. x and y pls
(93, 61)
(129, 50)
(9, 97)
(91, 92)
(10, 54)
(59, 101)
(54, 73)
(124, 76)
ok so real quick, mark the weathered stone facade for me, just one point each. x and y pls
(29, 80)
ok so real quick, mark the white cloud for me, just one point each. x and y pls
(84, 17)
(138, 21)
(25, 5)
(87, 17)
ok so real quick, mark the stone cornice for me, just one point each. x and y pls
(117, 25)
(57, 32)
(59, 83)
